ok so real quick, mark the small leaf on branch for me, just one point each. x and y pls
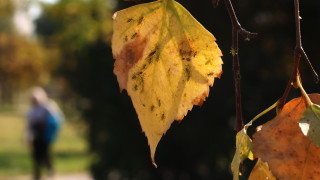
(166, 61)
(261, 171)
(310, 123)
(289, 154)
(244, 144)
(243, 151)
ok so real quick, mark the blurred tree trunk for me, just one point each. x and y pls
(6, 90)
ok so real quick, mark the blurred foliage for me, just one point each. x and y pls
(73, 24)
(200, 147)
(6, 11)
(22, 61)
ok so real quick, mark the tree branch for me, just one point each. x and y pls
(298, 52)
(236, 30)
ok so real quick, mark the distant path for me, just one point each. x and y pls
(76, 176)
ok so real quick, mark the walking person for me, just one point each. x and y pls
(43, 122)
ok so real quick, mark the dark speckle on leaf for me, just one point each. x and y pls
(210, 74)
(135, 87)
(133, 35)
(195, 53)
(152, 53)
(140, 20)
(188, 73)
(163, 116)
(144, 66)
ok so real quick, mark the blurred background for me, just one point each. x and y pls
(64, 46)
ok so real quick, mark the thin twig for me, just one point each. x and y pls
(298, 52)
(215, 3)
(294, 74)
(235, 23)
(305, 57)
(236, 30)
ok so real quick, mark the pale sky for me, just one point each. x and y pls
(23, 18)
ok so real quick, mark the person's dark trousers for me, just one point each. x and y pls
(41, 157)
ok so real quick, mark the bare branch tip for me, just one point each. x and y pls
(314, 73)
(316, 78)
(247, 34)
(215, 3)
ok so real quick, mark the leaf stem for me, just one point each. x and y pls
(298, 52)
(263, 112)
(236, 30)
(303, 92)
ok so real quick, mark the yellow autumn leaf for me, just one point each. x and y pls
(244, 144)
(243, 151)
(261, 171)
(166, 60)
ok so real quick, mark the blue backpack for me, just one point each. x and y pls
(53, 123)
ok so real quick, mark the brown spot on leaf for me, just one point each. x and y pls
(187, 54)
(151, 108)
(129, 55)
(186, 51)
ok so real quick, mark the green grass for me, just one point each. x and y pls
(69, 151)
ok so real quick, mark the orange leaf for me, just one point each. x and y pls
(290, 154)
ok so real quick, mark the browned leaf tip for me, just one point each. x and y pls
(199, 100)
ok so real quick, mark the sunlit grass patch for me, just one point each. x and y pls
(70, 149)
